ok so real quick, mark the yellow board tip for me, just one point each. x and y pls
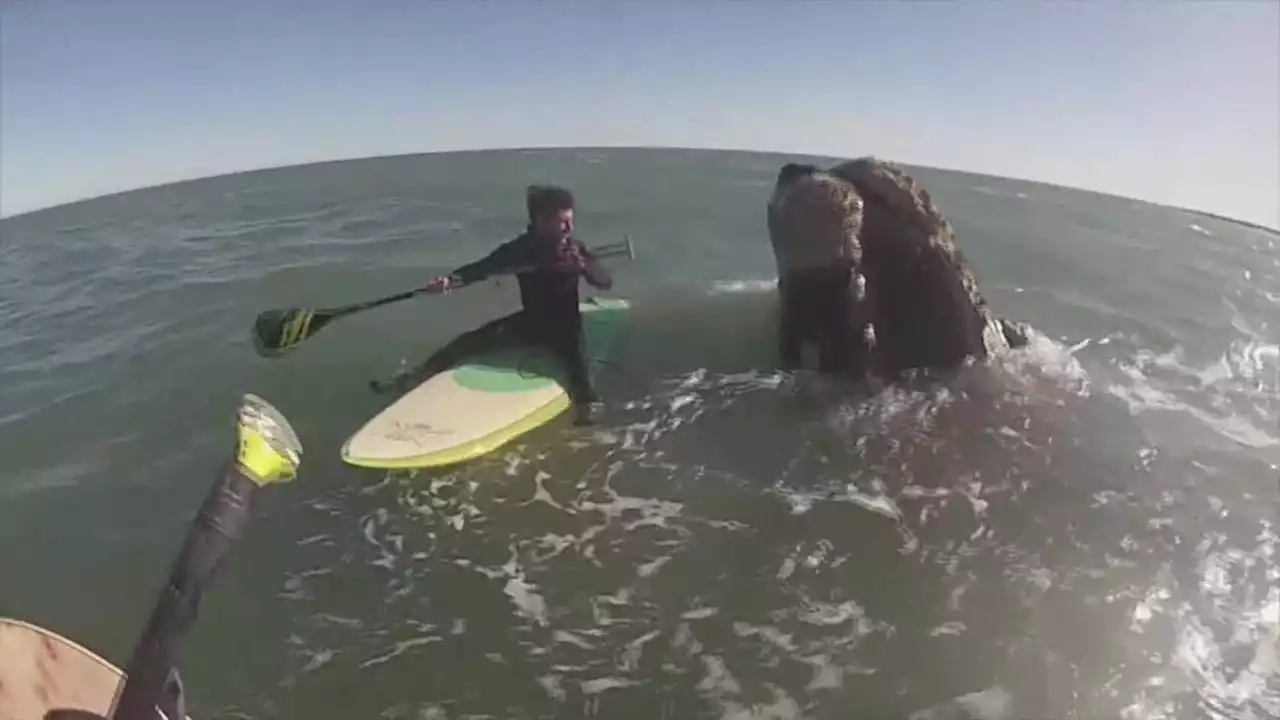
(268, 448)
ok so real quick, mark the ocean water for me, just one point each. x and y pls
(1085, 529)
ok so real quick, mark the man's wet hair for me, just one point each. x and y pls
(794, 171)
(543, 200)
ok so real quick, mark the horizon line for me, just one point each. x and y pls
(520, 148)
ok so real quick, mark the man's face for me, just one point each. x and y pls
(556, 225)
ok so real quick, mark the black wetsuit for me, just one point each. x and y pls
(549, 316)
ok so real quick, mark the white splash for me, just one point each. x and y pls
(724, 287)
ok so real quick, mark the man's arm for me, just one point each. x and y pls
(505, 258)
(595, 273)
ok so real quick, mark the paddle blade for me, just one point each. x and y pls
(276, 332)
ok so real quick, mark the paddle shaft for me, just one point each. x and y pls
(604, 251)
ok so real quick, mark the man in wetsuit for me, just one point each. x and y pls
(548, 261)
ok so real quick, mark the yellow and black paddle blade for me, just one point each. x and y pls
(276, 332)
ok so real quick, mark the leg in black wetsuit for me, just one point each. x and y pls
(567, 346)
(563, 339)
(506, 331)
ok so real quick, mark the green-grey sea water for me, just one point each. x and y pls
(1086, 529)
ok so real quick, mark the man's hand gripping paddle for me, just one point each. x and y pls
(276, 332)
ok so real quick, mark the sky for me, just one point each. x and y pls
(1173, 102)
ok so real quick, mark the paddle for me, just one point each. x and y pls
(276, 332)
(267, 452)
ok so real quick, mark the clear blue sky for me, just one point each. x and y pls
(1174, 102)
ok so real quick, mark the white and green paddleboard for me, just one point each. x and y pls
(482, 404)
